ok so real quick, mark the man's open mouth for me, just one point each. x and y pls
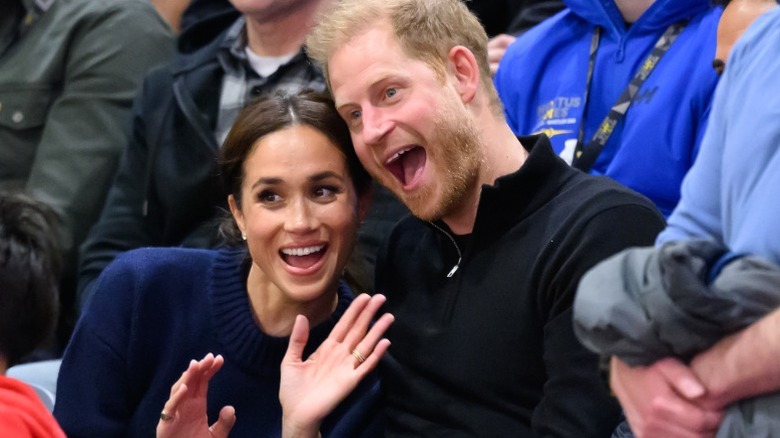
(407, 164)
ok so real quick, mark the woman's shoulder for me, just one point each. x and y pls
(164, 259)
(143, 267)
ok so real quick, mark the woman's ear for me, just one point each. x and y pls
(238, 216)
(462, 64)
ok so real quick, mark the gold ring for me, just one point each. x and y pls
(165, 417)
(358, 356)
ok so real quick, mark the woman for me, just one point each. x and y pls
(297, 195)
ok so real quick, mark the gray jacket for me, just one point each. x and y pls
(69, 71)
(645, 304)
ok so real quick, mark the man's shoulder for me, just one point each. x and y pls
(598, 193)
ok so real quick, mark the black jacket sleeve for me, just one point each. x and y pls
(576, 403)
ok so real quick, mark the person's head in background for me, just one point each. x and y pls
(29, 276)
(737, 16)
(297, 193)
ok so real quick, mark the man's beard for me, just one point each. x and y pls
(456, 152)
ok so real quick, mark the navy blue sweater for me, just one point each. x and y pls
(153, 311)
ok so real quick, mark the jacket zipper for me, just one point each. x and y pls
(460, 255)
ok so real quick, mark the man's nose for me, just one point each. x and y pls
(376, 126)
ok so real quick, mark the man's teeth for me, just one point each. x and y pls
(302, 251)
(398, 155)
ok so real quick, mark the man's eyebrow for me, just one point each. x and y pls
(381, 79)
(340, 108)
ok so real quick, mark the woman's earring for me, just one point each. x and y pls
(243, 235)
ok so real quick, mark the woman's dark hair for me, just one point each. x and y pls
(274, 113)
(29, 275)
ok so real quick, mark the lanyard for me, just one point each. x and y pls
(585, 156)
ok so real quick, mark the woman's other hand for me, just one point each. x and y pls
(184, 414)
(311, 389)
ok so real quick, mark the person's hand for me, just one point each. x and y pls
(496, 48)
(661, 400)
(311, 389)
(184, 413)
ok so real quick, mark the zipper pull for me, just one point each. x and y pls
(452, 272)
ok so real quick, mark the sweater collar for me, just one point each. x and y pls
(243, 341)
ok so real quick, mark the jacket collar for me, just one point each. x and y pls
(519, 194)
(207, 54)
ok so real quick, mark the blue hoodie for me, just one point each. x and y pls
(541, 81)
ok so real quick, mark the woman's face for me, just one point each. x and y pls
(299, 210)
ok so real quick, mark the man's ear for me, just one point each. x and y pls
(238, 216)
(462, 64)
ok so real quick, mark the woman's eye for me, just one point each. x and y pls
(390, 92)
(325, 192)
(355, 115)
(268, 197)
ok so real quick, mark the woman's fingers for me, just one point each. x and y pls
(172, 404)
(373, 359)
(358, 328)
(368, 346)
(227, 418)
(208, 367)
(298, 339)
(347, 320)
(216, 365)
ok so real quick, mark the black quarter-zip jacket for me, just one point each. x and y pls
(490, 350)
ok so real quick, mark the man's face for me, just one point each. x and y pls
(411, 131)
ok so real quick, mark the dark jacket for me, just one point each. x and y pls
(490, 350)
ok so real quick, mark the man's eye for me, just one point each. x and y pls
(390, 92)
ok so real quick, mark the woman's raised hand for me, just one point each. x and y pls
(311, 389)
(184, 414)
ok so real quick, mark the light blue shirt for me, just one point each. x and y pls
(732, 193)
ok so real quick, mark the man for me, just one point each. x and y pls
(570, 76)
(729, 198)
(167, 191)
(481, 279)
(69, 71)
(29, 272)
